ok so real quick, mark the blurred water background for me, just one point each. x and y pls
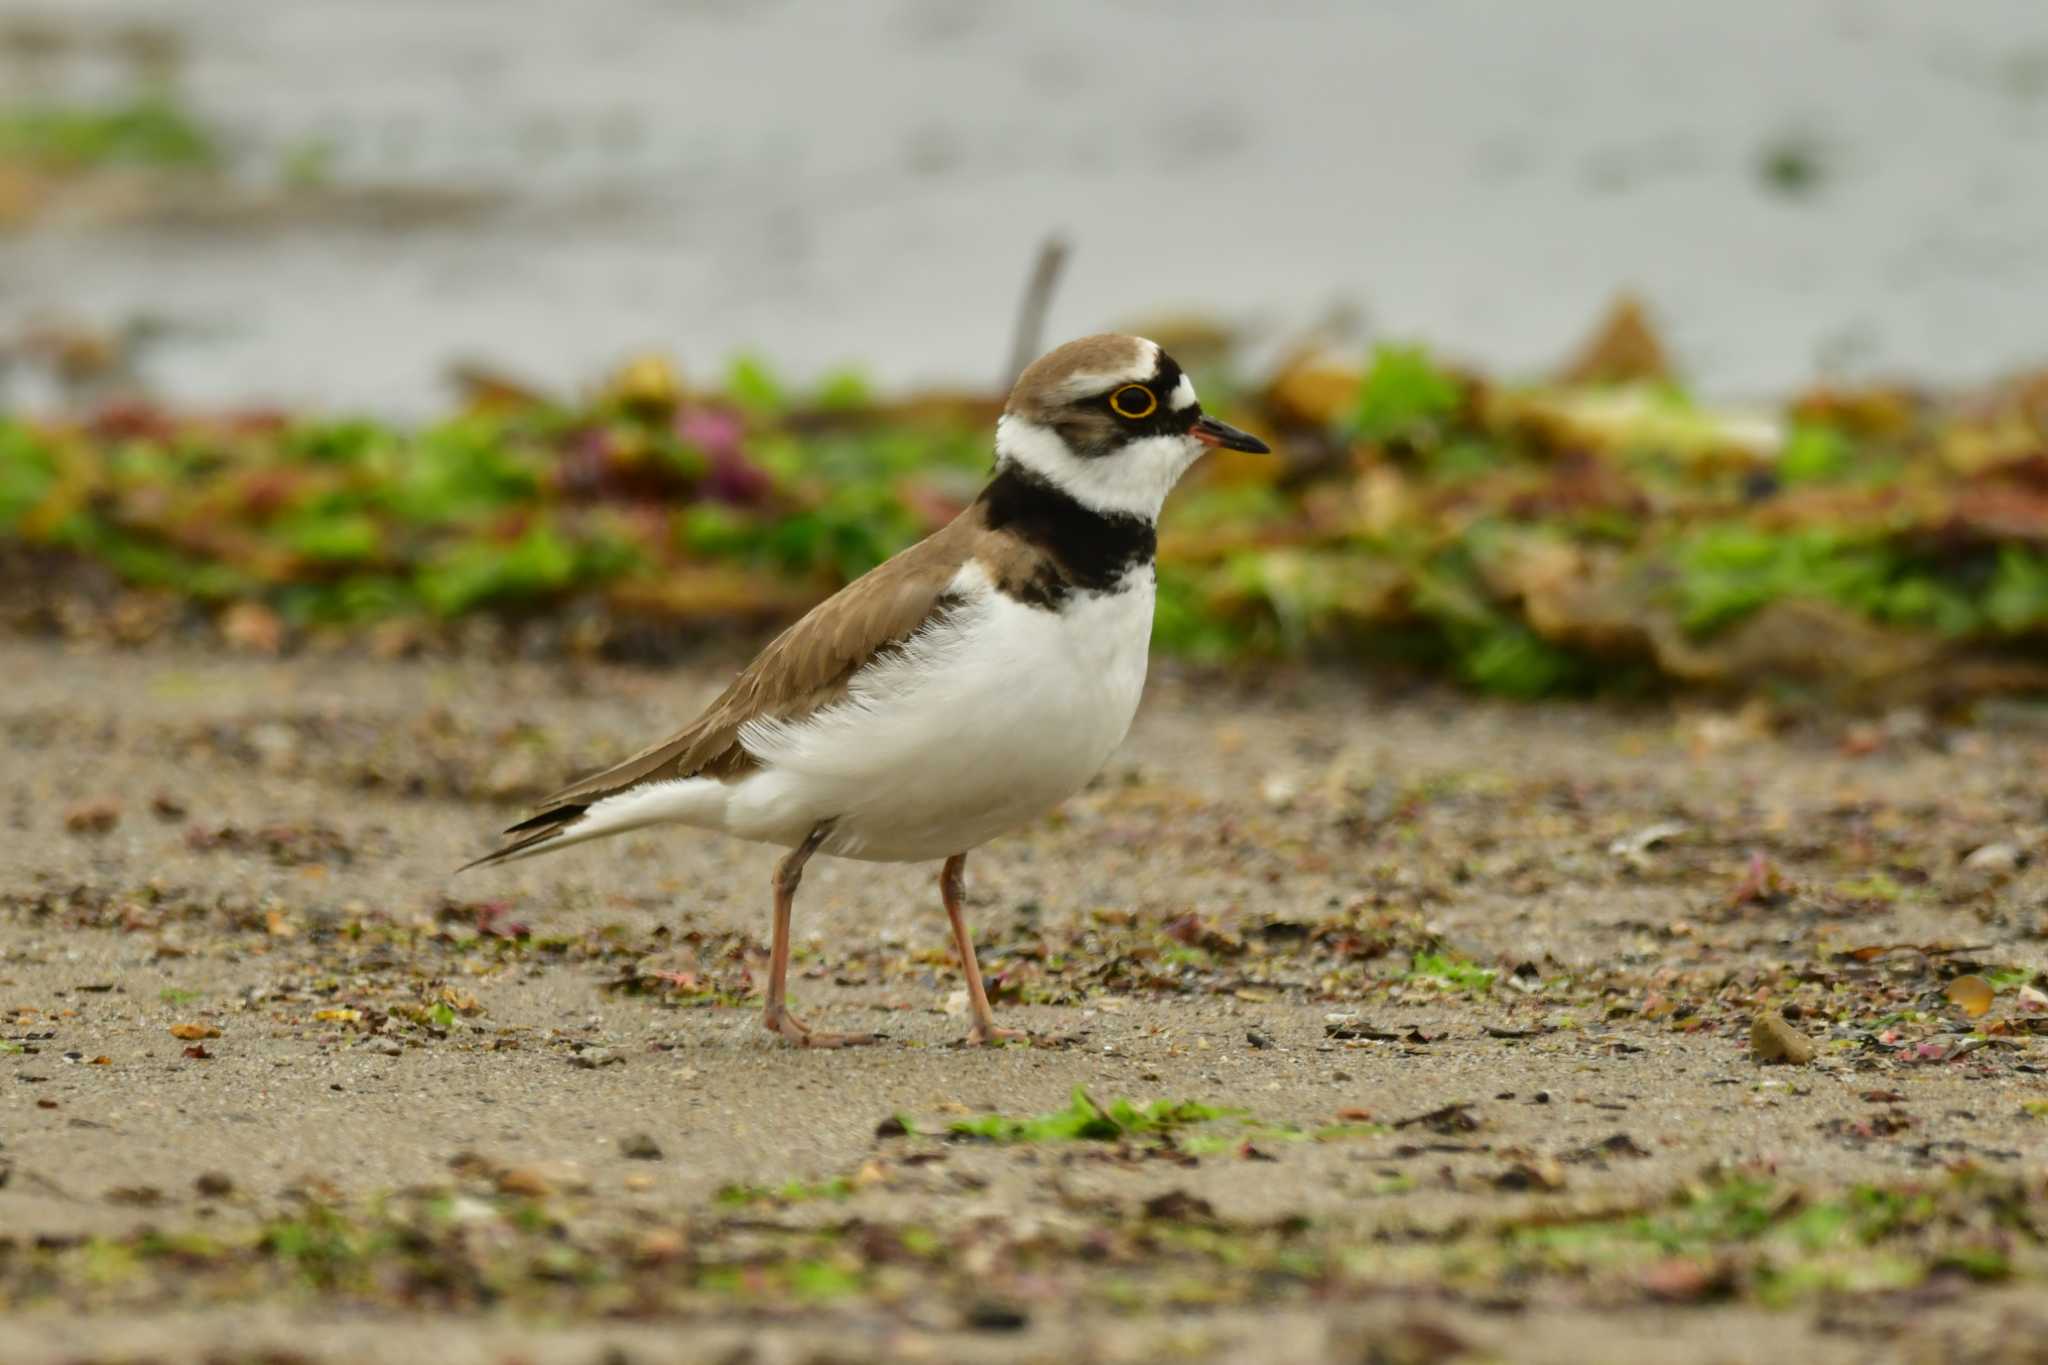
(1834, 187)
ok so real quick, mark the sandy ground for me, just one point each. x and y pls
(257, 852)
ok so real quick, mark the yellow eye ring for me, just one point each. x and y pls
(1134, 401)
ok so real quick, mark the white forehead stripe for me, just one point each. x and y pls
(1183, 395)
(1091, 382)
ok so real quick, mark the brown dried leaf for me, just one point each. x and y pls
(1971, 995)
(1312, 390)
(253, 627)
(1682, 1279)
(1762, 882)
(1623, 349)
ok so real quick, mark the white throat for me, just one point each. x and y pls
(1134, 481)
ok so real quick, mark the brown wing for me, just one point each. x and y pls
(806, 667)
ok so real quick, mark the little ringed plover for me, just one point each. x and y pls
(958, 690)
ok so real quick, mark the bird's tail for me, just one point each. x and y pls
(543, 833)
(693, 801)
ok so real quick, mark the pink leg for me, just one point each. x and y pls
(776, 1018)
(984, 1031)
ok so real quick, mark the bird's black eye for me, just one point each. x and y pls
(1134, 401)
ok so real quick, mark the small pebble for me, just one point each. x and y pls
(1993, 858)
(543, 1178)
(92, 817)
(1772, 1039)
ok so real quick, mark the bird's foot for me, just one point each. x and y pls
(787, 1025)
(981, 1035)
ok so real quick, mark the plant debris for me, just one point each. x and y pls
(1603, 531)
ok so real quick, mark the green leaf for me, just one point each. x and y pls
(822, 1280)
(751, 384)
(336, 539)
(844, 390)
(2017, 599)
(476, 572)
(1813, 454)
(28, 470)
(1403, 395)
(1455, 972)
(1514, 661)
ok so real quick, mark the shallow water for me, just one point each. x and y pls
(867, 182)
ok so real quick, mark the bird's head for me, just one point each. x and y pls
(1112, 422)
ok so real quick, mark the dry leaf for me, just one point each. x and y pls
(1682, 1279)
(524, 1180)
(1971, 995)
(190, 1032)
(1623, 348)
(658, 1244)
(1873, 951)
(462, 1002)
(1762, 883)
(253, 627)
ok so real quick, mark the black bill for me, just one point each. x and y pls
(1211, 432)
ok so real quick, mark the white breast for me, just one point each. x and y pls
(977, 725)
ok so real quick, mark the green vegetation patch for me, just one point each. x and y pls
(1188, 1126)
(789, 1192)
(144, 130)
(1085, 1120)
(1530, 541)
(1452, 973)
(1739, 1236)
(1753, 1236)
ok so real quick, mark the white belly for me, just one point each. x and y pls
(971, 730)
